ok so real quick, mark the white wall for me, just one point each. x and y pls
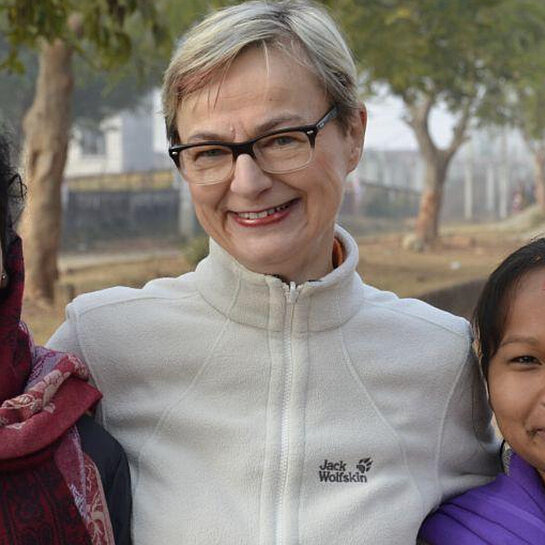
(130, 144)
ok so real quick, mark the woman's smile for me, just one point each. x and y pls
(268, 216)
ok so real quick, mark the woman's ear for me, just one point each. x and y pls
(356, 136)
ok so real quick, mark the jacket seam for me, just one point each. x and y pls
(418, 317)
(168, 410)
(438, 448)
(353, 371)
(97, 306)
(84, 352)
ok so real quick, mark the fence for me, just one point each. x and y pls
(92, 216)
(372, 199)
(130, 207)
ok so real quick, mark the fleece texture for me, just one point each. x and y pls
(257, 413)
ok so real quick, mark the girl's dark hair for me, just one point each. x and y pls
(12, 193)
(494, 303)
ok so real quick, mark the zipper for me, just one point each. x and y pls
(291, 298)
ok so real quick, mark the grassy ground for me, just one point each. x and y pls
(465, 253)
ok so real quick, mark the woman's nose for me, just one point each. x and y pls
(248, 178)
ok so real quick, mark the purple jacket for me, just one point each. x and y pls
(508, 511)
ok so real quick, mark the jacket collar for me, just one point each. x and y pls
(263, 301)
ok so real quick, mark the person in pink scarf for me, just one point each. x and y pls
(63, 479)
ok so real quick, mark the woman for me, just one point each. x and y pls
(271, 396)
(510, 328)
(61, 476)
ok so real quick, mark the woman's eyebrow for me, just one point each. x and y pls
(511, 339)
(275, 122)
(269, 125)
(204, 135)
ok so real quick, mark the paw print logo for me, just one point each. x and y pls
(364, 465)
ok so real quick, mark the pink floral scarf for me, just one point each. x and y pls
(47, 483)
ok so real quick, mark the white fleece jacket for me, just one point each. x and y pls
(256, 413)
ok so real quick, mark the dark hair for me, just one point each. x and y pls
(490, 315)
(12, 193)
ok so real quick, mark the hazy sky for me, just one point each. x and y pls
(387, 130)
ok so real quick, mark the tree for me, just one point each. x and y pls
(522, 99)
(531, 105)
(98, 30)
(16, 92)
(431, 52)
(134, 37)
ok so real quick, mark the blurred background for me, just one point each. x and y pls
(451, 180)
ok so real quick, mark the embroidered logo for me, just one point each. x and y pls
(364, 465)
(337, 472)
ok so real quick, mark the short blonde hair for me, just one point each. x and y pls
(298, 27)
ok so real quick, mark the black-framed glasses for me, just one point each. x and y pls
(277, 152)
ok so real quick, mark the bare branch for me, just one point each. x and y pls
(418, 120)
(459, 131)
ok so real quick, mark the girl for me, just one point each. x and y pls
(509, 323)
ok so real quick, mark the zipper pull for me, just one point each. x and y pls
(293, 293)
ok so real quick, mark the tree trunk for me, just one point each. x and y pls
(427, 222)
(539, 164)
(437, 161)
(46, 128)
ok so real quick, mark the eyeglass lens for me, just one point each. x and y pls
(276, 153)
